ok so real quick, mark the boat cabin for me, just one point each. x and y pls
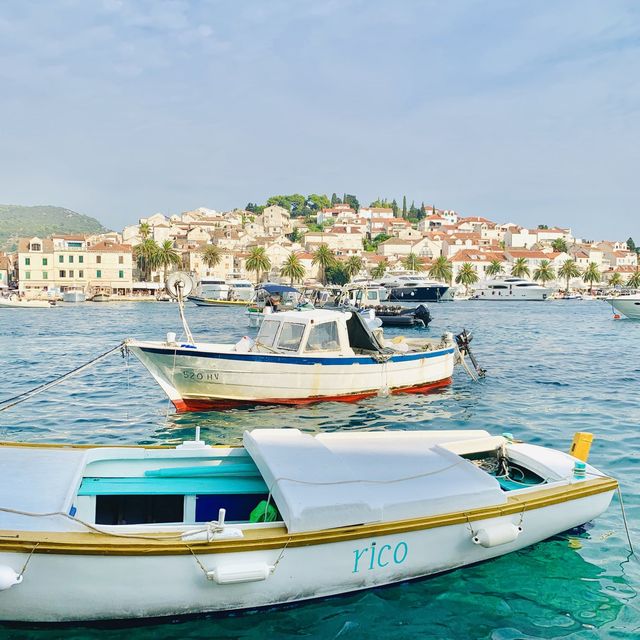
(316, 332)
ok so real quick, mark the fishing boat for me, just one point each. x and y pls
(112, 533)
(501, 289)
(627, 305)
(74, 294)
(212, 302)
(298, 357)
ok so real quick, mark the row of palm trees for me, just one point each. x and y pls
(441, 269)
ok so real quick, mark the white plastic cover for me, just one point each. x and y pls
(343, 479)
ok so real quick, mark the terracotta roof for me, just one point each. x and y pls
(103, 247)
(526, 253)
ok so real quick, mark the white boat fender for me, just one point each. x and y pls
(171, 338)
(497, 534)
(8, 577)
(244, 345)
(234, 574)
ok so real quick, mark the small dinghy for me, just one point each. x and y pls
(112, 533)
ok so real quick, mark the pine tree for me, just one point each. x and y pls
(404, 206)
(394, 206)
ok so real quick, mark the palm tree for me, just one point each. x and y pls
(323, 257)
(634, 280)
(545, 272)
(495, 268)
(211, 255)
(380, 269)
(560, 245)
(520, 268)
(144, 230)
(591, 275)
(167, 256)
(441, 269)
(146, 255)
(258, 261)
(353, 265)
(568, 270)
(467, 276)
(615, 280)
(293, 268)
(413, 263)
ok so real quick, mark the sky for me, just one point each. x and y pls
(525, 112)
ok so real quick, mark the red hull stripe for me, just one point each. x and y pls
(202, 404)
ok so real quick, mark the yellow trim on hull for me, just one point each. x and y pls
(276, 537)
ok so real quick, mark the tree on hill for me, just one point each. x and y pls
(316, 201)
(394, 207)
(631, 245)
(336, 274)
(560, 245)
(352, 201)
(404, 206)
(292, 269)
(144, 230)
(379, 270)
(254, 208)
(335, 200)
(211, 255)
(372, 245)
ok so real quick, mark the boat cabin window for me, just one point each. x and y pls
(290, 336)
(137, 509)
(323, 337)
(268, 332)
(498, 286)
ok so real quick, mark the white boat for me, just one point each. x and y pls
(14, 302)
(627, 305)
(510, 288)
(107, 533)
(242, 290)
(74, 294)
(215, 288)
(271, 298)
(298, 357)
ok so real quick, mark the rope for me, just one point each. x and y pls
(24, 567)
(21, 397)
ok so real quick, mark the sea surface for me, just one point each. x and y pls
(553, 368)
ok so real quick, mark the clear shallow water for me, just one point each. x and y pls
(553, 369)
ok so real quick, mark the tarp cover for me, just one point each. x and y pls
(38, 481)
(342, 479)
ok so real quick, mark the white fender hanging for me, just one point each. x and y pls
(496, 534)
(8, 577)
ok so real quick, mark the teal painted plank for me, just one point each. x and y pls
(242, 469)
(170, 486)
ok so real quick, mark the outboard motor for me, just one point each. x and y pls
(422, 313)
(463, 340)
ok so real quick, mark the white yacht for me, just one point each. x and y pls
(627, 305)
(410, 287)
(74, 294)
(241, 289)
(215, 288)
(510, 288)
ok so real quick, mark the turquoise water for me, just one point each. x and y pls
(553, 368)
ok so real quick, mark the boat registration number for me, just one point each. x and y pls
(200, 376)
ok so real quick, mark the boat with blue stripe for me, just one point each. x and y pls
(298, 357)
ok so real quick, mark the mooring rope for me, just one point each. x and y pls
(21, 397)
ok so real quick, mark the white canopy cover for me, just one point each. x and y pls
(342, 479)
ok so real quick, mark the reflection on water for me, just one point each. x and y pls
(553, 369)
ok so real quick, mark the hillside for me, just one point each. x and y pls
(20, 221)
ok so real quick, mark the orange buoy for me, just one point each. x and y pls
(616, 316)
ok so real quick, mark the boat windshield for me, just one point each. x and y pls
(290, 336)
(268, 332)
(323, 337)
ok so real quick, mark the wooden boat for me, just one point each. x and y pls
(212, 302)
(131, 532)
(298, 357)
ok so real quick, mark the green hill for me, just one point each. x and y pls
(19, 221)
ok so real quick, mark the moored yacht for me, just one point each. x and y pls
(628, 305)
(416, 288)
(510, 288)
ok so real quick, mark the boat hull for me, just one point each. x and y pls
(435, 293)
(199, 379)
(629, 307)
(212, 302)
(74, 296)
(124, 579)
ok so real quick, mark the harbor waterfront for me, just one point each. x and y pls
(553, 369)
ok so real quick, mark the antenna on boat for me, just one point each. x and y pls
(179, 285)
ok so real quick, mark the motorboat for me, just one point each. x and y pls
(415, 288)
(627, 305)
(241, 290)
(510, 288)
(74, 295)
(13, 302)
(102, 294)
(271, 298)
(298, 357)
(370, 298)
(212, 302)
(214, 288)
(133, 532)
